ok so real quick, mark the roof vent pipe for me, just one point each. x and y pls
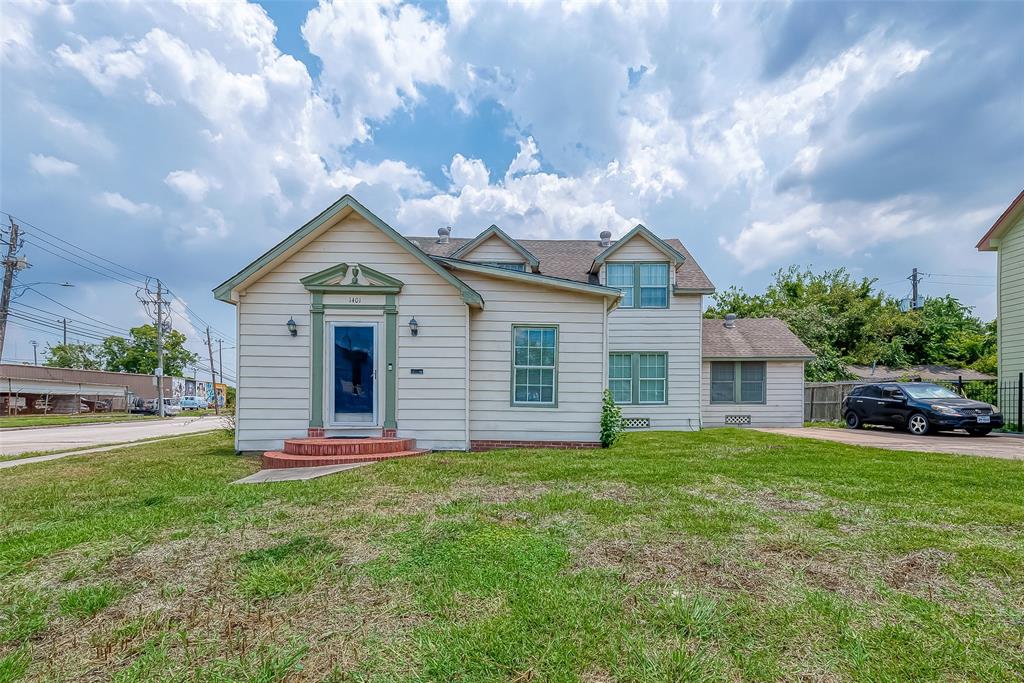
(606, 238)
(443, 234)
(730, 320)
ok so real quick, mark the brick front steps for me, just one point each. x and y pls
(316, 452)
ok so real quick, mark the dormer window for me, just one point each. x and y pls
(507, 265)
(643, 285)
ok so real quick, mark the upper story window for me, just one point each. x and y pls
(507, 265)
(643, 285)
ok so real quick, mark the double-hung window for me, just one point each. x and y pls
(638, 377)
(643, 285)
(738, 381)
(534, 365)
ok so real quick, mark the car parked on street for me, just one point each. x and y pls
(918, 407)
(193, 403)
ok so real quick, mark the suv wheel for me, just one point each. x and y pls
(918, 424)
(853, 420)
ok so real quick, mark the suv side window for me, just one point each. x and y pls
(893, 392)
(871, 391)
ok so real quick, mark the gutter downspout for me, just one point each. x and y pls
(469, 312)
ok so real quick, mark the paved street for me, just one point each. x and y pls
(993, 445)
(17, 441)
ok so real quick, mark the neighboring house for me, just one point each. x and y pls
(347, 328)
(1006, 236)
(924, 373)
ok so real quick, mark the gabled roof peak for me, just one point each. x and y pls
(673, 254)
(495, 231)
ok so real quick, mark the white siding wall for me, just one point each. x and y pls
(1011, 303)
(784, 406)
(676, 331)
(580, 318)
(274, 368)
(493, 249)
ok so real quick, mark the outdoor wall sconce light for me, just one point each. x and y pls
(414, 327)
(292, 328)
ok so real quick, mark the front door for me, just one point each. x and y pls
(353, 374)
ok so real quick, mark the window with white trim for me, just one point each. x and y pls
(739, 381)
(534, 365)
(638, 378)
(643, 285)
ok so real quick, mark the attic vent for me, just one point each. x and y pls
(730, 320)
(443, 235)
(606, 238)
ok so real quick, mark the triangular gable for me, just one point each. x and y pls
(495, 231)
(990, 242)
(345, 278)
(226, 290)
(640, 231)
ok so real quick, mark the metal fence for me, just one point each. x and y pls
(823, 401)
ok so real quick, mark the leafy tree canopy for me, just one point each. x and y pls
(78, 356)
(845, 320)
(139, 353)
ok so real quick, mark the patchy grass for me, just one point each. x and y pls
(9, 421)
(723, 555)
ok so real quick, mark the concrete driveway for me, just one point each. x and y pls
(1004, 446)
(15, 441)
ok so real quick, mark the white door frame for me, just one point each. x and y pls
(378, 386)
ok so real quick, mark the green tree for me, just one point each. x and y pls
(139, 353)
(845, 320)
(78, 356)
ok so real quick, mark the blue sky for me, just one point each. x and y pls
(182, 139)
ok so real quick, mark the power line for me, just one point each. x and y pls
(64, 317)
(61, 239)
(82, 265)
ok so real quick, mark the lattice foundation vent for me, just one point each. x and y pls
(636, 422)
(737, 420)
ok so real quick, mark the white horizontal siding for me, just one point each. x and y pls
(1011, 303)
(675, 331)
(493, 249)
(580, 319)
(784, 405)
(274, 367)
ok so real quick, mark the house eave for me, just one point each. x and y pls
(760, 357)
(532, 278)
(990, 241)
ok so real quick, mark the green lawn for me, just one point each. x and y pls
(51, 420)
(719, 556)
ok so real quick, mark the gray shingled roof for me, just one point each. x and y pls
(571, 259)
(948, 373)
(752, 338)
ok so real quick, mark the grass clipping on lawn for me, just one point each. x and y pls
(721, 555)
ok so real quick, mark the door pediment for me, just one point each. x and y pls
(351, 278)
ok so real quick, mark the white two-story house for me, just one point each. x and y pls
(347, 328)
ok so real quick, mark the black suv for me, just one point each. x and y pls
(919, 408)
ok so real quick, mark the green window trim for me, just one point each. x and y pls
(732, 380)
(640, 375)
(507, 265)
(637, 278)
(535, 360)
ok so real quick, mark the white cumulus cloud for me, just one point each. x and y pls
(52, 166)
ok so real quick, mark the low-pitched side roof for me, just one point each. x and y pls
(1009, 217)
(884, 373)
(753, 338)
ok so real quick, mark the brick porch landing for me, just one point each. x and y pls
(317, 452)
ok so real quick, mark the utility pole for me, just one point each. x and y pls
(160, 347)
(213, 373)
(35, 358)
(65, 321)
(220, 359)
(10, 265)
(915, 280)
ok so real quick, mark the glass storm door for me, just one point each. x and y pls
(353, 364)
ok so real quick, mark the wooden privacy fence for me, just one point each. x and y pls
(823, 401)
